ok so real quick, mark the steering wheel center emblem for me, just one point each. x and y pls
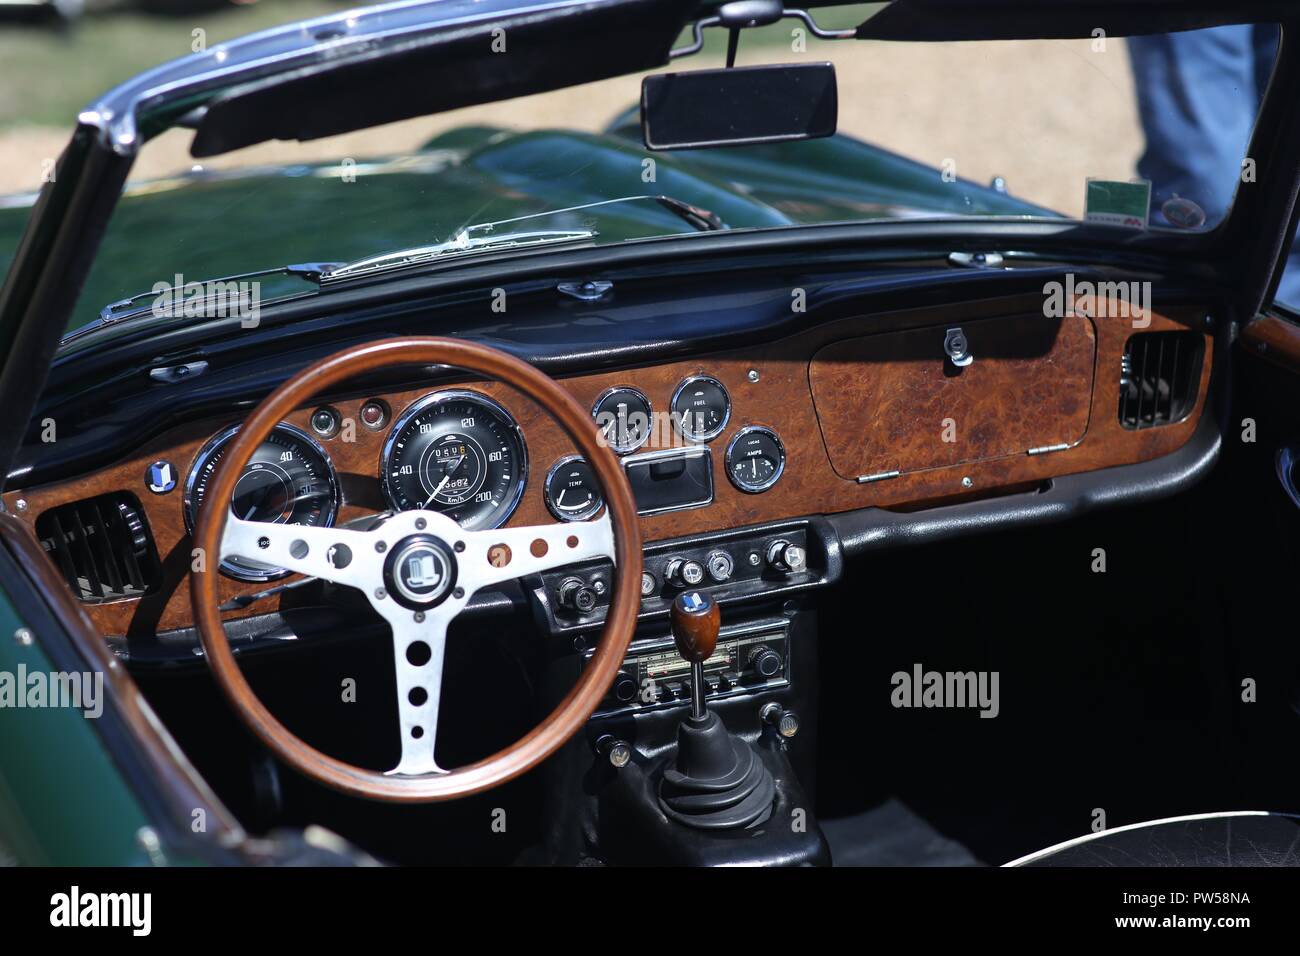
(420, 571)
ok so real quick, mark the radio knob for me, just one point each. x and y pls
(765, 661)
(786, 557)
(624, 687)
(684, 573)
(576, 596)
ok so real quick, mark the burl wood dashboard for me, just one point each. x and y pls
(872, 398)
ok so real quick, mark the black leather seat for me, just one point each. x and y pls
(1241, 838)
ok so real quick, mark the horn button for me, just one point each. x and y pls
(420, 571)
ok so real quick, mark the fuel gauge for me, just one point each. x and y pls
(572, 492)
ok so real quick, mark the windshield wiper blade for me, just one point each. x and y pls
(488, 237)
(699, 217)
(475, 239)
(130, 308)
(461, 244)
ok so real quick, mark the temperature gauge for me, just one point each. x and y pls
(755, 459)
(572, 492)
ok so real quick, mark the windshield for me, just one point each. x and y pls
(1092, 128)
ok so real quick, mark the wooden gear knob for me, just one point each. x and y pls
(696, 621)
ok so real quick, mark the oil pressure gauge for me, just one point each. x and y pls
(623, 415)
(755, 459)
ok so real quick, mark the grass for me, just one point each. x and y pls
(48, 74)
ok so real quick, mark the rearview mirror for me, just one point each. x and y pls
(741, 106)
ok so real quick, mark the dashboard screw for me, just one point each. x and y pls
(966, 482)
(419, 617)
(24, 637)
(458, 593)
(381, 547)
(380, 594)
(753, 375)
(420, 524)
(21, 504)
(459, 546)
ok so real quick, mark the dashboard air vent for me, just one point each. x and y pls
(103, 547)
(1159, 378)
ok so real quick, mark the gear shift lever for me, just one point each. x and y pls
(716, 781)
(696, 622)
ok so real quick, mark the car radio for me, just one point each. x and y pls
(749, 657)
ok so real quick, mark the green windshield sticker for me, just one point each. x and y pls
(1116, 203)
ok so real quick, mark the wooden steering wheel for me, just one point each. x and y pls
(418, 569)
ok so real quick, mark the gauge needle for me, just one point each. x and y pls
(445, 478)
(442, 484)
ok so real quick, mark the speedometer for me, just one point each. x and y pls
(289, 480)
(459, 453)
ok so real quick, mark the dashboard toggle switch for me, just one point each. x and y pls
(784, 722)
(786, 557)
(684, 573)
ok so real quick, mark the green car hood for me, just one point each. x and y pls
(211, 224)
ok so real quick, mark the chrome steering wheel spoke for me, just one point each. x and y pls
(419, 643)
(492, 557)
(331, 553)
(418, 569)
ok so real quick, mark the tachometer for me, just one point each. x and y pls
(459, 453)
(289, 480)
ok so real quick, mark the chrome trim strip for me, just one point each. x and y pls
(367, 32)
(1045, 449)
(878, 476)
(1039, 854)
